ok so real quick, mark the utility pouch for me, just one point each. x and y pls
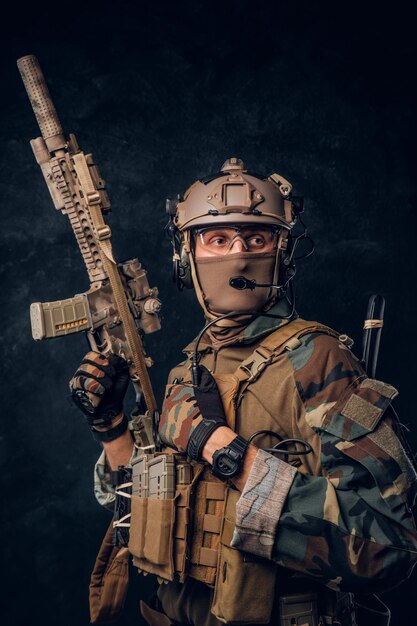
(109, 581)
(245, 585)
(138, 527)
(153, 514)
(161, 505)
(151, 535)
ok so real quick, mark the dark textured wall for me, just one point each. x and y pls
(163, 93)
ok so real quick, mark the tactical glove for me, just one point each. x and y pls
(98, 388)
(191, 414)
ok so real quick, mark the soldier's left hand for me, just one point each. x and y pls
(191, 414)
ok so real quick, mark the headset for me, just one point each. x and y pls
(181, 267)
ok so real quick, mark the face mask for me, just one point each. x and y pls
(215, 272)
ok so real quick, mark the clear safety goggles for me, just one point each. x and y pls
(221, 239)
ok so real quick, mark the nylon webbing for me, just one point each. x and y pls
(272, 346)
(208, 514)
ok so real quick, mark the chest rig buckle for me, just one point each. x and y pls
(253, 366)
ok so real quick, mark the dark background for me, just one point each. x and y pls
(163, 93)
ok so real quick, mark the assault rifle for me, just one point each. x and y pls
(119, 307)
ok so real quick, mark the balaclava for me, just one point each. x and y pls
(214, 274)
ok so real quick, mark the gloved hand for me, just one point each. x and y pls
(191, 414)
(98, 388)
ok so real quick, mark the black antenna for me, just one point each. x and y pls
(372, 329)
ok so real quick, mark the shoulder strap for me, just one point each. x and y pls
(286, 337)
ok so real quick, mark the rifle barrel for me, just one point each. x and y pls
(41, 102)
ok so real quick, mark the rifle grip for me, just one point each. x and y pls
(41, 102)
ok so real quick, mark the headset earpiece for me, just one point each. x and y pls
(184, 270)
(181, 267)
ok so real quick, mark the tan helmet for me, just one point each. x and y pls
(231, 196)
(236, 196)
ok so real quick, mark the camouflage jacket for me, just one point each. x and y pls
(340, 514)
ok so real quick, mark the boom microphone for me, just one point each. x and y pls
(241, 283)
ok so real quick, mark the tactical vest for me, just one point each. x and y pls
(210, 518)
(237, 577)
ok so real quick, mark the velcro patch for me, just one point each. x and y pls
(383, 388)
(362, 412)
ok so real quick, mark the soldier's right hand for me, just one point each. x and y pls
(98, 388)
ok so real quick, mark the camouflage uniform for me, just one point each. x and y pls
(338, 516)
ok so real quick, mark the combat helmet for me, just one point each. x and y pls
(231, 196)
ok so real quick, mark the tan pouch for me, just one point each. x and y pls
(151, 535)
(109, 581)
(159, 529)
(245, 584)
(137, 526)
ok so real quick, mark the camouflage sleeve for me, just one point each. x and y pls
(103, 489)
(351, 527)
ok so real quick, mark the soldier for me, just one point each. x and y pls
(324, 516)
